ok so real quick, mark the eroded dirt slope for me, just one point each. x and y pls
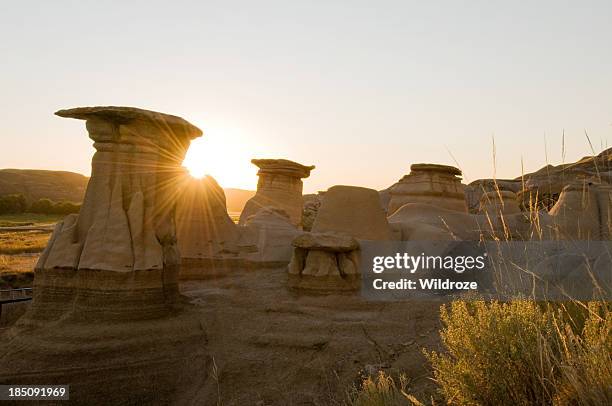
(274, 346)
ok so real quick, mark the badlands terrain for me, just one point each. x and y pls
(154, 294)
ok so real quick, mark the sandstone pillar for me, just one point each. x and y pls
(328, 257)
(105, 317)
(118, 256)
(279, 186)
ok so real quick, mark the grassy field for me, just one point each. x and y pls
(23, 242)
(19, 250)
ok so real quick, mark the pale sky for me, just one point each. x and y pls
(360, 89)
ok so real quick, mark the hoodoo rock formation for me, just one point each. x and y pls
(280, 185)
(325, 261)
(328, 257)
(107, 282)
(124, 235)
(438, 185)
(107, 317)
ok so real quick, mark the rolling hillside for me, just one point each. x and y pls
(237, 198)
(36, 184)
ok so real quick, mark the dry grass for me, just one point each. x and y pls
(382, 390)
(17, 263)
(17, 271)
(516, 353)
(19, 249)
(20, 242)
(522, 353)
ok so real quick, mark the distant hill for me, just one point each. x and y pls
(237, 198)
(37, 184)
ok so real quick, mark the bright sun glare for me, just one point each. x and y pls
(224, 155)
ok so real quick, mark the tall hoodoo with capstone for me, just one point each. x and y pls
(280, 186)
(125, 230)
(328, 257)
(107, 282)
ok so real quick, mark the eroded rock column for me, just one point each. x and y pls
(279, 186)
(118, 257)
(106, 317)
(328, 257)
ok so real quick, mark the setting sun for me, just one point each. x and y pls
(224, 155)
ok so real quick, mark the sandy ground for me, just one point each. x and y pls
(265, 344)
(274, 346)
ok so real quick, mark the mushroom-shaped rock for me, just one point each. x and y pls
(126, 221)
(328, 257)
(280, 185)
(105, 288)
(172, 126)
(438, 185)
(325, 261)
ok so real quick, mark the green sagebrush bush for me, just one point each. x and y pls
(523, 353)
(516, 353)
